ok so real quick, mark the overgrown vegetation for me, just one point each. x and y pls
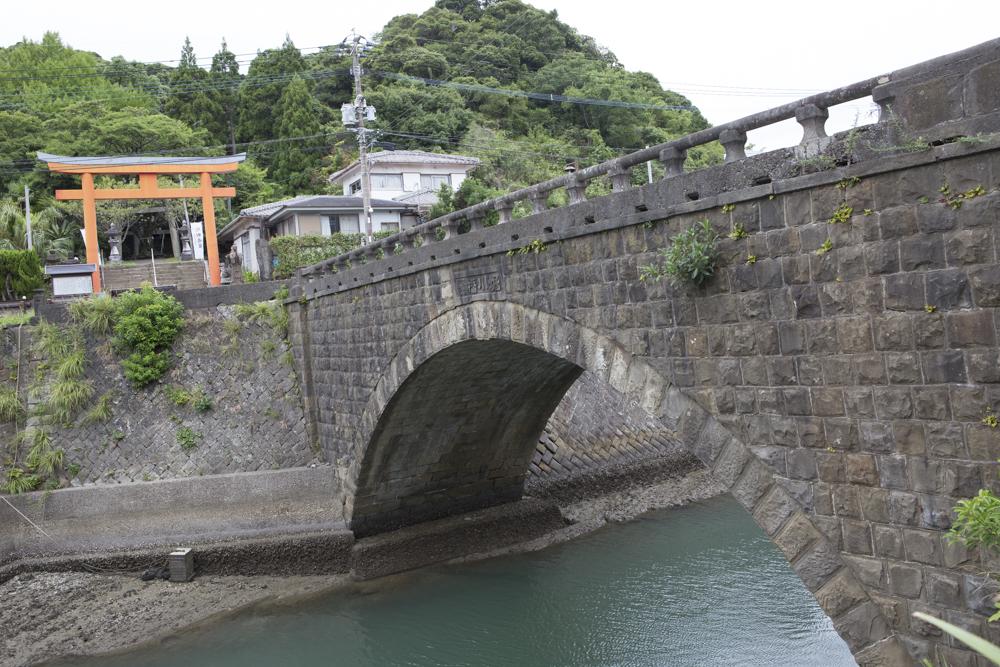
(20, 274)
(144, 325)
(295, 252)
(977, 521)
(271, 312)
(690, 258)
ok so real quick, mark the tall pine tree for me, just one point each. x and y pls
(294, 162)
(225, 79)
(189, 99)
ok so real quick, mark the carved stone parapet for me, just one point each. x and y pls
(539, 202)
(621, 179)
(577, 191)
(734, 141)
(673, 160)
(506, 212)
(813, 121)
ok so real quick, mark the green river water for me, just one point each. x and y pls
(700, 585)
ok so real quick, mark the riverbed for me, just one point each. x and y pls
(698, 585)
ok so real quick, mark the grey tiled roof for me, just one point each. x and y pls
(410, 157)
(128, 160)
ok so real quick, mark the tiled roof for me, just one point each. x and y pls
(129, 160)
(316, 201)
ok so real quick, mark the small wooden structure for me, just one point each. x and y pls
(147, 168)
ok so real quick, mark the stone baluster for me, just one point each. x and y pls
(734, 141)
(621, 179)
(577, 190)
(506, 211)
(476, 220)
(813, 121)
(673, 160)
(884, 98)
(450, 226)
(428, 235)
(539, 202)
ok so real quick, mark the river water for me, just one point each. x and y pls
(700, 585)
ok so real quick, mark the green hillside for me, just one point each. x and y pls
(433, 78)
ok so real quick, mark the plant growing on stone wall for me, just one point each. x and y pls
(535, 247)
(20, 481)
(146, 323)
(200, 401)
(10, 405)
(95, 314)
(691, 257)
(101, 412)
(728, 208)
(842, 215)
(738, 232)
(188, 438)
(846, 183)
(977, 521)
(273, 312)
(955, 199)
(825, 247)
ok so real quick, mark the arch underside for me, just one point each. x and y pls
(459, 433)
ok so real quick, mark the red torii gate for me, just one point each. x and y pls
(147, 168)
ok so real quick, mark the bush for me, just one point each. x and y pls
(977, 521)
(20, 274)
(690, 258)
(141, 369)
(146, 323)
(294, 252)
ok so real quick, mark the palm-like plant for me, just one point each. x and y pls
(12, 229)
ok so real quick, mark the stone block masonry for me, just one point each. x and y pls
(834, 374)
(256, 421)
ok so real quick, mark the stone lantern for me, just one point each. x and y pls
(115, 240)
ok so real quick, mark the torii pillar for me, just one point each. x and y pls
(147, 169)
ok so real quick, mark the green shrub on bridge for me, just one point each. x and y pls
(295, 252)
(20, 274)
(691, 257)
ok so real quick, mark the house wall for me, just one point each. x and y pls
(411, 177)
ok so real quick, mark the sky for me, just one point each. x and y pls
(731, 59)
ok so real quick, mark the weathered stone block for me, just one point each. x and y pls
(857, 537)
(910, 438)
(905, 580)
(801, 464)
(969, 329)
(922, 546)
(904, 292)
(817, 565)
(947, 366)
(921, 253)
(948, 289)
(796, 536)
(944, 588)
(840, 593)
(931, 403)
(888, 542)
(903, 367)
(893, 332)
(845, 501)
(860, 469)
(860, 402)
(775, 508)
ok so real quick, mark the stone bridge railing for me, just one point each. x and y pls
(922, 98)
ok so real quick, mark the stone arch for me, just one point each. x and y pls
(563, 348)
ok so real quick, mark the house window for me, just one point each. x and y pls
(355, 187)
(434, 181)
(349, 224)
(387, 181)
(389, 227)
(329, 224)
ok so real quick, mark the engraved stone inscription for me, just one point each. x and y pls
(479, 284)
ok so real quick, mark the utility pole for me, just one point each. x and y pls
(27, 218)
(360, 111)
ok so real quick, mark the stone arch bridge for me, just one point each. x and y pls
(834, 374)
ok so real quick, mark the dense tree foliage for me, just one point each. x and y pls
(282, 107)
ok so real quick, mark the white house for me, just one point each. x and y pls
(319, 215)
(411, 176)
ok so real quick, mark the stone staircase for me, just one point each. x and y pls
(182, 275)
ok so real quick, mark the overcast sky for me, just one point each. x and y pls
(730, 59)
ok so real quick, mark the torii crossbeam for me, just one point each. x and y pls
(147, 168)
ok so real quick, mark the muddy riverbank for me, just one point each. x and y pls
(46, 616)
